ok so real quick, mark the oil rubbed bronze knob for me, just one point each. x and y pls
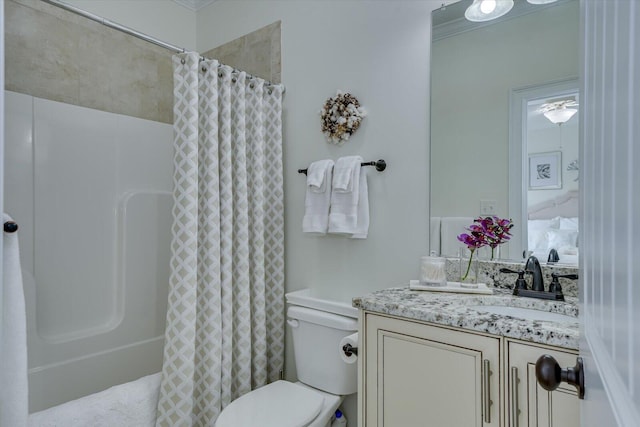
(550, 375)
(10, 227)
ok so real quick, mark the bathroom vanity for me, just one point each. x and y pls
(441, 359)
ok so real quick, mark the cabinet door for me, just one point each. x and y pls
(422, 375)
(529, 404)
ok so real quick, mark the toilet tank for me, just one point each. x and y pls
(316, 338)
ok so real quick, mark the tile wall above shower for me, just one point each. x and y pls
(54, 54)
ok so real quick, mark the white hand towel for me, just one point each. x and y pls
(318, 197)
(349, 212)
(362, 225)
(344, 174)
(14, 404)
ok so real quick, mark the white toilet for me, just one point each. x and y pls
(324, 378)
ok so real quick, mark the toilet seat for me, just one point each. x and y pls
(279, 404)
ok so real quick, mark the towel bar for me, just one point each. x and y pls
(10, 227)
(380, 166)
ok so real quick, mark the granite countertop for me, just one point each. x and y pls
(451, 309)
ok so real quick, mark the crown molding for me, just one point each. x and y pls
(455, 22)
(194, 5)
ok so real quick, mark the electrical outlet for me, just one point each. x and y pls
(488, 207)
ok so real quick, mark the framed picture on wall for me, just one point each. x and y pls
(545, 170)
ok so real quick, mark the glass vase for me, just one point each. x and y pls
(468, 268)
(495, 253)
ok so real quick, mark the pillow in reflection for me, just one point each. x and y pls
(561, 240)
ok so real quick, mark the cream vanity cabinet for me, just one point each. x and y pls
(530, 405)
(417, 374)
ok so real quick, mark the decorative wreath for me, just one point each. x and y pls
(341, 116)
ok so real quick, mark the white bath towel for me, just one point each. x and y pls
(434, 235)
(318, 197)
(14, 403)
(131, 404)
(349, 213)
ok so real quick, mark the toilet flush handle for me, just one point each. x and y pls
(293, 323)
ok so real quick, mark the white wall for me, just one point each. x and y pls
(379, 51)
(162, 19)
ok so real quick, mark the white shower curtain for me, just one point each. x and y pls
(225, 319)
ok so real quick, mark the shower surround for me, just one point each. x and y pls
(91, 192)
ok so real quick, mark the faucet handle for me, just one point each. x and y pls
(520, 282)
(555, 286)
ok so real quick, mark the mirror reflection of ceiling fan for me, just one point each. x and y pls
(559, 111)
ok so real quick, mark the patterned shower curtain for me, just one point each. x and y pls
(225, 319)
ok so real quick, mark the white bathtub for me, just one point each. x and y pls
(91, 192)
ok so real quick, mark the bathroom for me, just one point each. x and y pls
(385, 61)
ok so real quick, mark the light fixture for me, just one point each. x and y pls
(559, 111)
(486, 10)
(541, 1)
(560, 116)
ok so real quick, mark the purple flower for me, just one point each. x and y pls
(487, 231)
(496, 230)
(474, 240)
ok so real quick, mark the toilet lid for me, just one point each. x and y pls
(279, 404)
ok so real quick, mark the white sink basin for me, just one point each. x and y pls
(524, 313)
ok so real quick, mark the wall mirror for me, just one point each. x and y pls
(493, 149)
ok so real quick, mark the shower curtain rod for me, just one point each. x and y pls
(134, 33)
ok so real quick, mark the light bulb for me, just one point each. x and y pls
(486, 10)
(487, 6)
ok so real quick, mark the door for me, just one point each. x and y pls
(419, 375)
(610, 208)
